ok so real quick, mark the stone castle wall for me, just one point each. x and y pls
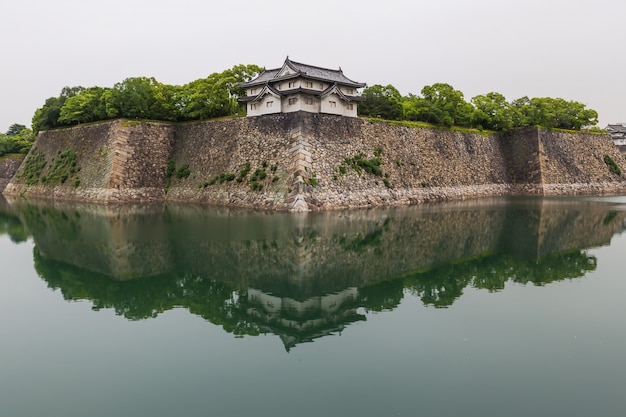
(8, 168)
(300, 161)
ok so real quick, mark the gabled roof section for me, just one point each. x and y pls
(292, 69)
(323, 73)
(262, 78)
(267, 89)
(287, 69)
(618, 127)
(334, 89)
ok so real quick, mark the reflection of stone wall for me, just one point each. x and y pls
(5, 207)
(308, 254)
(316, 254)
(106, 239)
(545, 227)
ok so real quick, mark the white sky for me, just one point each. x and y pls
(570, 49)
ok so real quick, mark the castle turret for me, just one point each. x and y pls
(300, 87)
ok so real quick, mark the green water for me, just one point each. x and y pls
(499, 307)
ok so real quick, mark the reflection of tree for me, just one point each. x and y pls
(555, 268)
(64, 223)
(384, 296)
(373, 239)
(146, 298)
(441, 286)
(12, 226)
(230, 307)
(142, 262)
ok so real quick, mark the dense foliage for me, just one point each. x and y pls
(216, 96)
(146, 98)
(17, 140)
(440, 104)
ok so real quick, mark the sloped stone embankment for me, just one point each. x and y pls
(304, 161)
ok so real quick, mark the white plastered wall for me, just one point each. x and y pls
(267, 105)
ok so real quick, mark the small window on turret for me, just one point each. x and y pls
(308, 84)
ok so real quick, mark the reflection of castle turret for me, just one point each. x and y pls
(302, 321)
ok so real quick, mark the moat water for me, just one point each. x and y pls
(497, 307)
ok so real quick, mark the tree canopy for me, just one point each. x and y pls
(442, 105)
(216, 96)
(17, 140)
(382, 101)
(147, 98)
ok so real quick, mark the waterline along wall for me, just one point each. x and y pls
(303, 161)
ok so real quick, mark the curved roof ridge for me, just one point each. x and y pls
(306, 70)
(335, 89)
(313, 66)
(267, 89)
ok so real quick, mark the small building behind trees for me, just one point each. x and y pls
(300, 87)
(618, 133)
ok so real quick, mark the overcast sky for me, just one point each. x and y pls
(570, 49)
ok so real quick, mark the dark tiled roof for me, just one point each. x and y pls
(304, 70)
(322, 73)
(620, 127)
(267, 88)
(335, 89)
(266, 75)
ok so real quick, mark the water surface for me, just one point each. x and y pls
(496, 307)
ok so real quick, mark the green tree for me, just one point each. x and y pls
(138, 98)
(7, 145)
(47, 117)
(86, 106)
(203, 98)
(492, 111)
(382, 101)
(552, 113)
(25, 140)
(572, 114)
(110, 99)
(19, 142)
(446, 106)
(520, 112)
(134, 97)
(231, 79)
(15, 129)
(146, 98)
